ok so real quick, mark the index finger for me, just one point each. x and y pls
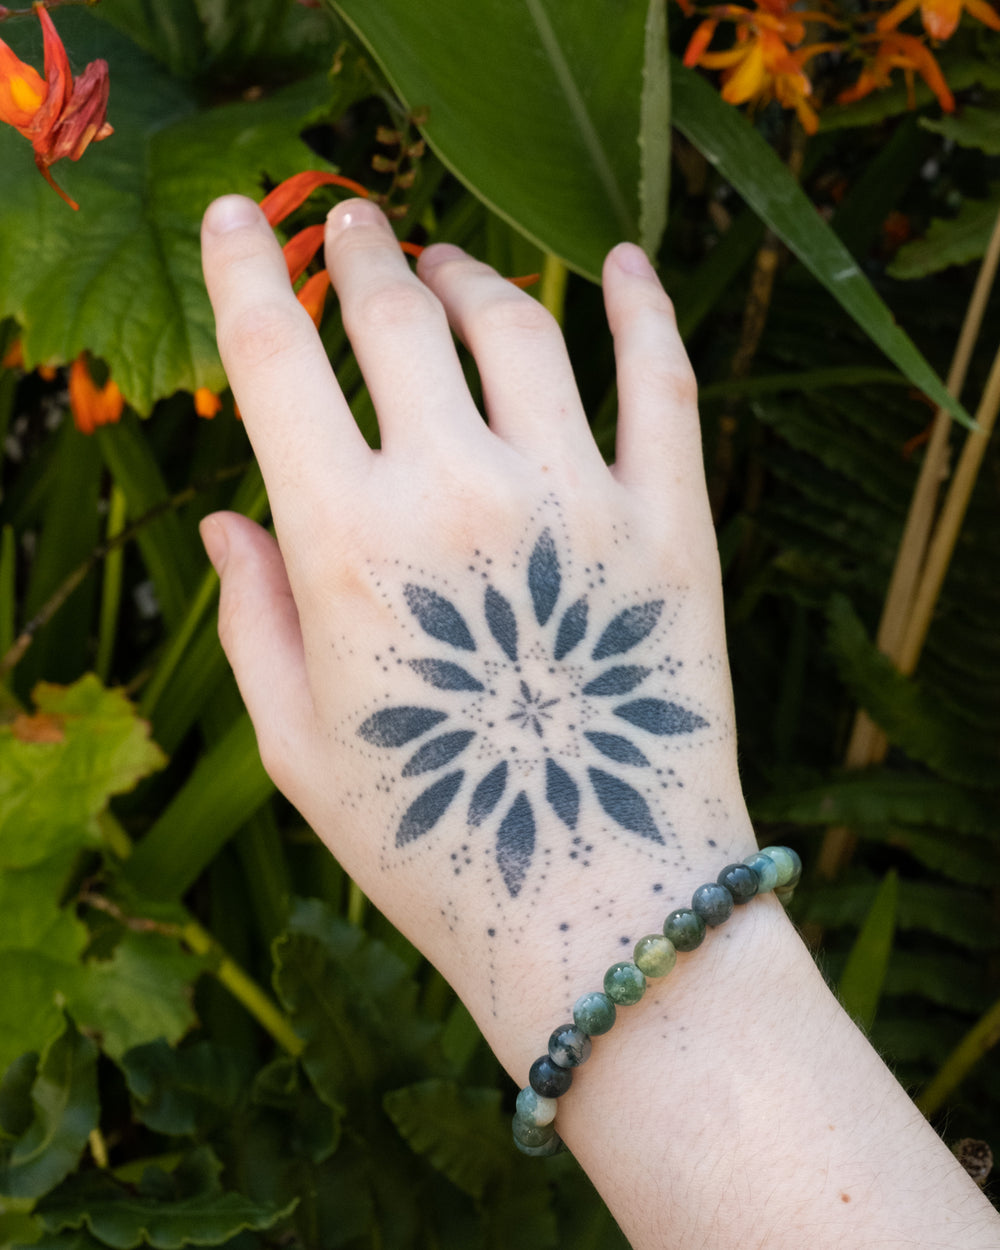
(295, 413)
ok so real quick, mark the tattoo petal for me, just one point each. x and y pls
(616, 748)
(624, 804)
(502, 622)
(487, 794)
(438, 752)
(657, 716)
(438, 617)
(618, 680)
(628, 629)
(392, 726)
(562, 793)
(428, 808)
(544, 578)
(516, 844)
(572, 627)
(447, 676)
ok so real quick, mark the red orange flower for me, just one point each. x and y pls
(90, 404)
(60, 117)
(940, 17)
(206, 402)
(908, 53)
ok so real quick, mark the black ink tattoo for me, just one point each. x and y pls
(521, 692)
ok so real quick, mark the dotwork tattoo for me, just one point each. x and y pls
(537, 714)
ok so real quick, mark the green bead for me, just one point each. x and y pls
(528, 1134)
(787, 862)
(624, 983)
(684, 928)
(655, 955)
(766, 870)
(532, 1108)
(594, 1013)
(551, 1147)
(783, 893)
(713, 903)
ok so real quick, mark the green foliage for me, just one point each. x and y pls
(860, 984)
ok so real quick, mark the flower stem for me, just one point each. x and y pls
(983, 1035)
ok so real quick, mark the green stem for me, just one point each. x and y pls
(111, 589)
(982, 1037)
(357, 905)
(552, 292)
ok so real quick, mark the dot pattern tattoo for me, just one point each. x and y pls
(537, 714)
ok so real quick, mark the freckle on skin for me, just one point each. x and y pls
(845, 1197)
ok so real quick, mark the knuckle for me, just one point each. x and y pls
(261, 334)
(516, 314)
(396, 304)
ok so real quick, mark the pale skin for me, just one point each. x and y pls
(524, 784)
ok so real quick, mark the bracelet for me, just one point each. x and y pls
(776, 869)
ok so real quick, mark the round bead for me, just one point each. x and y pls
(548, 1079)
(624, 983)
(527, 1134)
(569, 1046)
(532, 1108)
(787, 862)
(551, 1147)
(740, 880)
(685, 928)
(766, 870)
(594, 1013)
(655, 955)
(713, 903)
(783, 893)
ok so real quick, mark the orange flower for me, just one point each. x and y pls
(60, 117)
(940, 17)
(762, 65)
(206, 402)
(905, 52)
(90, 404)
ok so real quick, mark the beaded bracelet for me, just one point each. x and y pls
(777, 869)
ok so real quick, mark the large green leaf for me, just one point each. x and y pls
(188, 1207)
(560, 125)
(742, 156)
(122, 277)
(190, 1090)
(66, 1109)
(860, 984)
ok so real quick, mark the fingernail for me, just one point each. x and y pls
(230, 213)
(213, 536)
(633, 260)
(356, 213)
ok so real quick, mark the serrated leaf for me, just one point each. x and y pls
(860, 984)
(910, 718)
(957, 241)
(547, 74)
(186, 1091)
(122, 277)
(65, 1111)
(167, 1212)
(460, 1130)
(741, 155)
(972, 128)
(59, 767)
(961, 916)
(354, 1004)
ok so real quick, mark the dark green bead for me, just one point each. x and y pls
(594, 1013)
(528, 1134)
(569, 1046)
(548, 1079)
(685, 929)
(624, 983)
(713, 903)
(740, 880)
(766, 870)
(551, 1147)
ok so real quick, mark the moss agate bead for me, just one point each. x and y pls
(654, 955)
(685, 929)
(740, 880)
(624, 983)
(548, 1079)
(713, 903)
(569, 1046)
(766, 870)
(550, 1147)
(532, 1108)
(594, 1013)
(788, 864)
(528, 1134)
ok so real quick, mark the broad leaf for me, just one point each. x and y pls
(972, 128)
(190, 1090)
(537, 110)
(66, 1110)
(122, 277)
(742, 156)
(860, 984)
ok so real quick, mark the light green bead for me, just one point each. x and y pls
(766, 870)
(655, 955)
(533, 1108)
(788, 864)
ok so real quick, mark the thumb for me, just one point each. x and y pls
(260, 634)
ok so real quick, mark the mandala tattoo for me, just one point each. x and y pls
(534, 716)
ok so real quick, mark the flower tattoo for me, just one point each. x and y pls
(538, 714)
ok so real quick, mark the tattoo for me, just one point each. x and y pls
(548, 711)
